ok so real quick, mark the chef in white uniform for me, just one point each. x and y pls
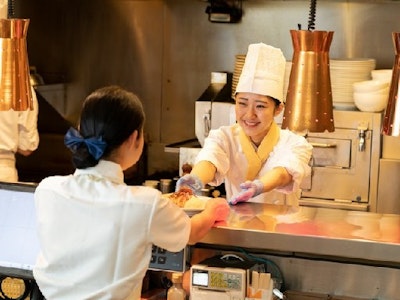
(18, 133)
(255, 158)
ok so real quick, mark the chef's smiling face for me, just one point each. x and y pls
(255, 113)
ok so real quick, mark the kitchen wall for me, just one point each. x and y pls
(165, 50)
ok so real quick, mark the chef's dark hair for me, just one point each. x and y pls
(277, 102)
(111, 114)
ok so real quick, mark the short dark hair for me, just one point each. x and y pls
(111, 114)
(277, 102)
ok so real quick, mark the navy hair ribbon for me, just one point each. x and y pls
(96, 146)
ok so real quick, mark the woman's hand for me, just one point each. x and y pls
(215, 213)
(220, 207)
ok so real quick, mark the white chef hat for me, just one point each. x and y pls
(263, 71)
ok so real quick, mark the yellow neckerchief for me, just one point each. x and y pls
(256, 159)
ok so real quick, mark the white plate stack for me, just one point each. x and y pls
(345, 72)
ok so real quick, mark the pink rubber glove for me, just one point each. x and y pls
(250, 189)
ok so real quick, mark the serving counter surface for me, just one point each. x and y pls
(307, 231)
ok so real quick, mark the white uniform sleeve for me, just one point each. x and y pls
(27, 127)
(214, 151)
(170, 227)
(293, 152)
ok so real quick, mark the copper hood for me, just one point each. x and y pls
(391, 123)
(15, 88)
(308, 105)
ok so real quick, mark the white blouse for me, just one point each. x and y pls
(96, 233)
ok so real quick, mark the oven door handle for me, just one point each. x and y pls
(322, 145)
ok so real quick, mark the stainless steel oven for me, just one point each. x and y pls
(345, 163)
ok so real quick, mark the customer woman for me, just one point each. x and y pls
(96, 233)
(254, 156)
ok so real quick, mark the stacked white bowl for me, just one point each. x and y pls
(372, 95)
(382, 75)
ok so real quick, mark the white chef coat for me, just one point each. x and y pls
(18, 130)
(223, 149)
(96, 234)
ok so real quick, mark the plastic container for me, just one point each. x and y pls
(176, 291)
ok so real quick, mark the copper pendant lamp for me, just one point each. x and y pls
(391, 121)
(15, 87)
(308, 105)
